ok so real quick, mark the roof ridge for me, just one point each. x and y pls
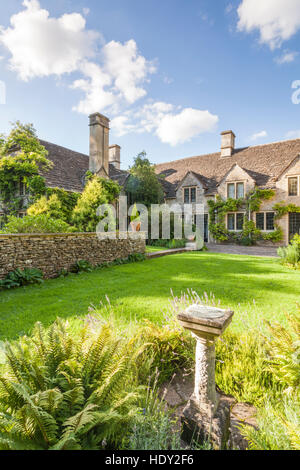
(234, 153)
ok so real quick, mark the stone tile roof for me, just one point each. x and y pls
(264, 163)
(70, 167)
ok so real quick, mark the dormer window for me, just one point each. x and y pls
(294, 186)
(235, 191)
(189, 195)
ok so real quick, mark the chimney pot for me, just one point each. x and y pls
(115, 156)
(227, 143)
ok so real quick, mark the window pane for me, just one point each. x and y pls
(230, 221)
(186, 195)
(193, 194)
(231, 191)
(239, 221)
(260, 221)
(240, 190)
(270, 221)
(293, 186)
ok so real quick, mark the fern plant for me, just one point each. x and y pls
(279, 420)
(284, 351)
(66, 392)
(278, 426)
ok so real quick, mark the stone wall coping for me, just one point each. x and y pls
(131, 235)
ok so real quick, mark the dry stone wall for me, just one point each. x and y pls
(53, 252)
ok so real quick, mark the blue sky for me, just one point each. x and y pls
(170, 74)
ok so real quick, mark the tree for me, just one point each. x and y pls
(22, 158)
(98, 191)
(143, 184)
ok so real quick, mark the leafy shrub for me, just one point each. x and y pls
(36, 224)
(85, 266)
(20, 278)
(98, 191)
(82, 266)
(50, 207)
(291, 253)
(63, 391)
(170, 244)
(136, 257)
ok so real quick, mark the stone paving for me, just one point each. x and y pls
(266, 251)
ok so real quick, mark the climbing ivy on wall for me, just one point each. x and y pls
(22, 158)
(251, 203)
(282, 209)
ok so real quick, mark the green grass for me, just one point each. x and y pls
(254, 288)
(153, 249)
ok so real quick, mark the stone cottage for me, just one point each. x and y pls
(230, 173)
(234, 173)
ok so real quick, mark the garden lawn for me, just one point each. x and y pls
(255, 288)
(154, 249)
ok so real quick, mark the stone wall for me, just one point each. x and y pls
(53, 252)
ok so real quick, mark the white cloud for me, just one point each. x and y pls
(178, 128)
(128, 68)
(172, 126)
(276, 20)
(293, 134)
(109, 79)
(122, 125)
(259, 135)
(42, 46)
(95, 87)
(286, 58)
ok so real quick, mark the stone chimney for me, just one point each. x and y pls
(227, 143)
(99, 145)
(115, 156)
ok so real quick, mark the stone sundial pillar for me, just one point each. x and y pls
(206, 416)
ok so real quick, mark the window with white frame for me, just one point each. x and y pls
(294, 185)
(189, 195)
(265, 221)
(235, 190)
(235, 221)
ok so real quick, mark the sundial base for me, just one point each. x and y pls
(200, 426)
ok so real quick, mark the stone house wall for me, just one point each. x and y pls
(53, 252)
(237, 174)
